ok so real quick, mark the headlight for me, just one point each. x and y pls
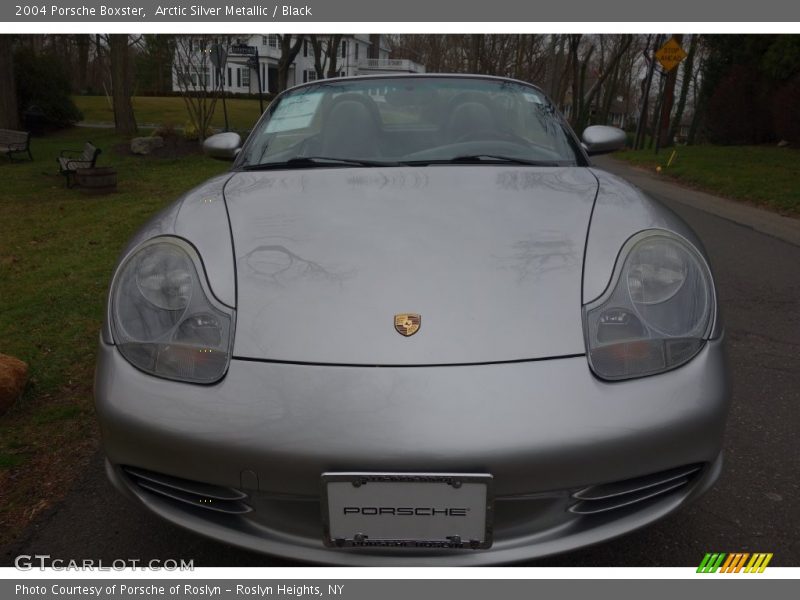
(657, 312)
(164, 319)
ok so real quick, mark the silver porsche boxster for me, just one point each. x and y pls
(413, 325)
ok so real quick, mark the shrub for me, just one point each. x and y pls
(43, 90)
(738, 112)
(785, 110)
(166, 131)
(190, 132)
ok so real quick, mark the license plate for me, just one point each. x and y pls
(418, 510)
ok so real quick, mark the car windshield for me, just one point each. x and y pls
(410, 120)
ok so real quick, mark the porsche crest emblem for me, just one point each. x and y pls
(407, 324)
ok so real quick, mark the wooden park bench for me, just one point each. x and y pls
(15, 142)
(69, 161)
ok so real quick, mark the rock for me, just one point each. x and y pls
(145, 145)
(13, 376)
(783, 144)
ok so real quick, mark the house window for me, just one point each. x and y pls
(246, 77)
(230, 79)
(356, 50)
(272, 41)
(238, 77)
(200, 77)
(309, 75)
(344, 48)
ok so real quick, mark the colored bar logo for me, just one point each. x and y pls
(735, 562)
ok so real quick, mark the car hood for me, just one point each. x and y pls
(490, 257)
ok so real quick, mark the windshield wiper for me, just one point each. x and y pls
(487, 158)
(303, 162)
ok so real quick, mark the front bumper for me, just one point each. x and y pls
(543, 429)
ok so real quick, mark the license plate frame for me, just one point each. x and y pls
(356, 502)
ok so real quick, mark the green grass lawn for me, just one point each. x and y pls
(242, 113)
(57, 251)
(765, 175)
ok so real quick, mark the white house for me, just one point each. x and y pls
(356, 55)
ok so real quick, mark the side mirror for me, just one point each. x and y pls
(223, 146)
(599, 139)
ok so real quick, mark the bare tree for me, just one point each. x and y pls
(154, 63)
(326, 54)
(583, 98)
(9, 113)
(122, 84)
(587, 71)
(522, 56)
(192, 70)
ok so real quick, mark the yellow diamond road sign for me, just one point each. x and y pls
(670, 55)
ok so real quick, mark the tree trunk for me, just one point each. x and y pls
(609, 95)
(563, 66)
(316, 48)
(688, 68)
(374, 46)
(666, 105)
(82, 41)
(654, 129)
(121, 79)
(699, 109)
(574, 42)
(553, 59)
(583, 101)
(334, 47)
(289, 52)
(588, 98)
(518, 59)
(474, 51)
(9, 112)
(644, 114)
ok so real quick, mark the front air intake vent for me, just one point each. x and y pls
(201, 495)
(611, 496)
